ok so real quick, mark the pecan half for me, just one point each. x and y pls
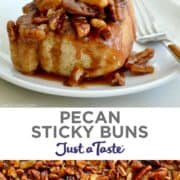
(140, 175)
(98, 3)
(111, 164)
(39, 20)
(35, 174)
(82, 27)
(159, 174)
(118, 79)
(78, 8)
(140, 69)
(26, 164)
(137, 164)
(98, 23)
(12, 172)
(44, 5)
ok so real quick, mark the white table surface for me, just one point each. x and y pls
(167, 95)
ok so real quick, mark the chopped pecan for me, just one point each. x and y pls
(44, 175)
(153, 163)
(70, 163)
(55, 169)
(111, 164)
(84, 177)
(137, 64)
(97, 170)
(27, 164)
(24, 177)
(137, 164)
(56, 21)
(82, 27)
(70, 171)
(39, 20)
(35, 174)
(15, 163)
(44, 5)
(95, 163)
(98, 3)
(81, 164)
(78, 8)
(175, 175)
(98, 23)
(159, 174)
(38, 164)
(118, 79)
(53, 176)
(129, 176)
(53, 163)
(140, 175)
(12, 172)
(123, 163)
(121, 171)
(102, 178)
(19, 172)
(93, 177)
(140, 69)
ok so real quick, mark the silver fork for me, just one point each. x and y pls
(148, 31)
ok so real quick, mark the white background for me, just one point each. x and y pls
(162, 142)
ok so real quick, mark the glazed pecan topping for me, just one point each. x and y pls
(82, 27)
(76, 170)
(44, 5)
(115, 10)
(97, 14)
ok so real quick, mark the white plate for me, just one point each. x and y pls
(165, 65)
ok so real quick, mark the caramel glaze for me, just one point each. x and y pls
(98, 81)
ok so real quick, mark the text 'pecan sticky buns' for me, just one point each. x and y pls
(73, 38)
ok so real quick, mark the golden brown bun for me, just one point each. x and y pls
(62, 53)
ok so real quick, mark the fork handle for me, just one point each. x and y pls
(174, 49)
